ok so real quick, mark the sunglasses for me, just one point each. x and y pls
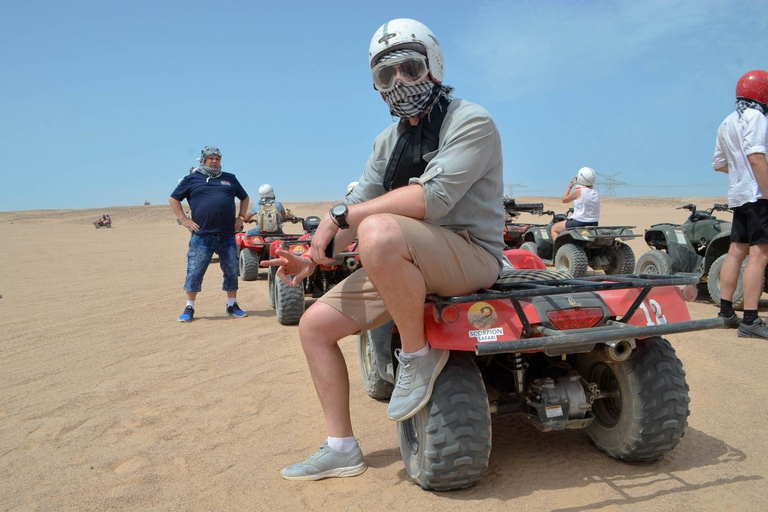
(412, 69)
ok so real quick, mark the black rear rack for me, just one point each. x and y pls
(614, 329)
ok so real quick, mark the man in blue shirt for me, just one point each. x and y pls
(211, 194)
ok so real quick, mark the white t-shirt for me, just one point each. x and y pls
(737, 138)
(586, 207)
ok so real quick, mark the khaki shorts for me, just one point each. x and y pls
(450, 263)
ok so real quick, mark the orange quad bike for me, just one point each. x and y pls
(563, 353)
(254, 248)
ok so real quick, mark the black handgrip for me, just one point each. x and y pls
(329, 248)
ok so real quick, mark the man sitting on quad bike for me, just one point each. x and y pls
(586, 202)
(269, 213)
(426, 215)
(740, 151)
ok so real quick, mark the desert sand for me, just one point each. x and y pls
(107, 402)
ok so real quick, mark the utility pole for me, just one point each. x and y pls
(510, 188)
(610, 183)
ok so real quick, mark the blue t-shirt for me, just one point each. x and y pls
(212, 201)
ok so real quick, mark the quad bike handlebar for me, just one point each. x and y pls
(512, 206)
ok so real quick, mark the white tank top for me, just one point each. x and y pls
(587, 207)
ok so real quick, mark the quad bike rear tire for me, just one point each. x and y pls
(370, 366)
(646, 412)
(447, 444)
(289, 302)
(622, 260)
(572, 259)
(530, 247)
(713, 283)
(653, 262)
(249, 265)
(271, 286)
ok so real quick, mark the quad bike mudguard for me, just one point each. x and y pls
(716, 248)
(671, 238)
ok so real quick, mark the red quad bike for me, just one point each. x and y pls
(562, 352)
(288, 301)
(253, 249)
(514, 232)
(103, 223)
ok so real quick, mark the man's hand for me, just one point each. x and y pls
(190, 225)
(290, 265)
(238, 223)
(320, 240)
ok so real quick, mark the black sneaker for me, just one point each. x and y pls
(235, 311)
(732, 321)
(756, 329)
(187, 315)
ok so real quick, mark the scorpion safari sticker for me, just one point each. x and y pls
(483, 317)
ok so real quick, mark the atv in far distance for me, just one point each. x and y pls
(105, 221)
(514, 231)
(699, 245)
(576, 249)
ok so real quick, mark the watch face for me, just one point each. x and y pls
(339, 210)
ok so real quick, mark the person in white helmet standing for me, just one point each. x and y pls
(740, 152)
(269, 212)
(586, 202)
(425, 212)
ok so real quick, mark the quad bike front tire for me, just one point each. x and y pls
(271, 286)
(289, 302)
(713, 283)
(622, 260)
(370, 366)
(447, 444)
(645, 412)
(572, 259)
(653, 262)
(249, 265)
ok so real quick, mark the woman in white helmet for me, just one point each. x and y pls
(427, 217)
(586, 202)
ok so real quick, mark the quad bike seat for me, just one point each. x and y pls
(511, 275)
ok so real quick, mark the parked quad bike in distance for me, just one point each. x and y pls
(699, 245)
(289, 301)
(253, 249)
(577, 249)
(562, 353)
(514, 231)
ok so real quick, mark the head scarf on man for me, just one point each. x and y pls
(207, 152)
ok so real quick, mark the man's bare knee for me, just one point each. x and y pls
(323, 326)
(380, 238)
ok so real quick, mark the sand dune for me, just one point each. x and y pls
(107, 402)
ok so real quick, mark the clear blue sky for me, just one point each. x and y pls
(106, 103)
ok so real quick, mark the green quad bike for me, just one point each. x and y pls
(577, 249)
(699, 245)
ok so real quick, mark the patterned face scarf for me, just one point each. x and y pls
(407, 101)
(743, 104)
(204, 169)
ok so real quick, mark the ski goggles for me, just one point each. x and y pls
(412, 69)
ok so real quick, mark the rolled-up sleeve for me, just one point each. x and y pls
(460, 162)
(755, 134)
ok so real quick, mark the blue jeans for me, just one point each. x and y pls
(255, 232)
(201, 249)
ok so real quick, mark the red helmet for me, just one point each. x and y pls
(753, 85)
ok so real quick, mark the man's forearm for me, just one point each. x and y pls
(244, 208)
(177, 208)
(760, 170)
(407, 201)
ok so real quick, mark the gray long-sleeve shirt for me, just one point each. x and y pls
(463, 181)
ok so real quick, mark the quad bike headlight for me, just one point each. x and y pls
(298, 250)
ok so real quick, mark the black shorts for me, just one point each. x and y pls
(572, 223)
(750, 223)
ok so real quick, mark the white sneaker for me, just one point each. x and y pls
(416, 377)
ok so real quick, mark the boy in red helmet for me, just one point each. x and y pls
(740, 151)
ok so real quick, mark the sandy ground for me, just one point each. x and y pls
(107, 402)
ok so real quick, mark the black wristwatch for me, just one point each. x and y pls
(339, 215)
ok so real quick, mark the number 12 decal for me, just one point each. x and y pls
(655, 308)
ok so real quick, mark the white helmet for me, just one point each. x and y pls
(266, 191)
(586, 176)
(352, 184)
(406, 33)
